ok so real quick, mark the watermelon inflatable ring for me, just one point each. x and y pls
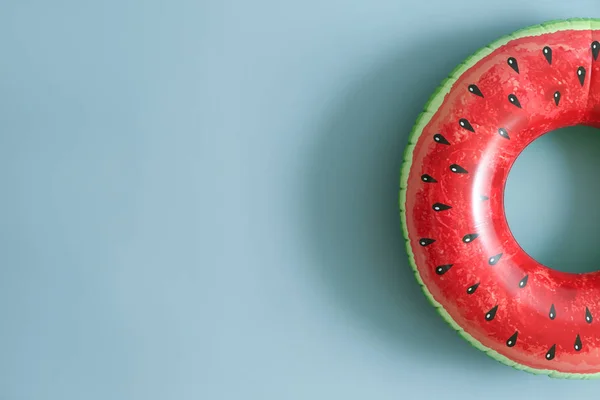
(455, 167)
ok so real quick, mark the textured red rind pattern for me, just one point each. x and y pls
(488, 157)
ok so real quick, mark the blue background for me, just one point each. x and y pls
(199, 199)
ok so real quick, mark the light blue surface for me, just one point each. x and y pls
(199, 200)
(551, 199)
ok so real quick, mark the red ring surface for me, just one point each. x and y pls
(526, 293)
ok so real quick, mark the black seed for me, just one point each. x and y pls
(440, 139)
(588, 316)
(494, 259)
(556, 97)
(523, 282)
(595, 49)
(475, 90)
(483, 198)
(512, 62)
(581, 75)
(513, 99)
(491, 314)
(470, 237)
(472, 289)
(426, 241)
(428, 178)
(552, 313)
(578, 345)
(440, 207)
(512, 340)
(442, 269)
(502, 132)
(550, 354)
(465, 124)
(548, 54)
(457, 169)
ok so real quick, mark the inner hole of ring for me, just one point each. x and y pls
(552, 199)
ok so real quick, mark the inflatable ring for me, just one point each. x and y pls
(452, 183)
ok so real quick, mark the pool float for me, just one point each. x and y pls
(455, 167)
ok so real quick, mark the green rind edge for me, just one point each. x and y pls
(423, 119)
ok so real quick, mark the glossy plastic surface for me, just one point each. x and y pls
(459, 239)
